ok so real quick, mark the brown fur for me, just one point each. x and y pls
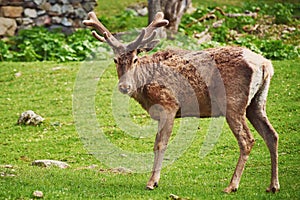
(225, 77)
(166, 62)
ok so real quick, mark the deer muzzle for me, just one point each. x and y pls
(124, 88)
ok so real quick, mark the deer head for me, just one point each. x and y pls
(126, 55)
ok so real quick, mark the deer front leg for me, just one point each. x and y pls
(165, 125)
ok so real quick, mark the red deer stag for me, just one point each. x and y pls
(164, 84)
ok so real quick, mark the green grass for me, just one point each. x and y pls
(47, 88)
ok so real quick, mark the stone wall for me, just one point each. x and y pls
(64, 14)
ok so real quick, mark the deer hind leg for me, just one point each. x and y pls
(165, 126)
(238, 125)
(256, 114)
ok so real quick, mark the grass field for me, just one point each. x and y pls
(47, 88)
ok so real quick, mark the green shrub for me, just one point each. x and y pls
(40, 44)
(283, 13)
(272, 49)
(273, 45)
(4, 51)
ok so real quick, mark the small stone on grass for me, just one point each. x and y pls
(48, 163)
(38, 194)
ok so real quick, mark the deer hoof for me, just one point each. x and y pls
(148, 187)
(273, 189)
(230, 189)
(151, 187)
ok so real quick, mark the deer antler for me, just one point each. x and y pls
(108, 37)
(145, 39)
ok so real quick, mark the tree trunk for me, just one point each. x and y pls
(154, 6)
(173, 10)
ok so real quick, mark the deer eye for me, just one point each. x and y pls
(116, 60)
(135, 60)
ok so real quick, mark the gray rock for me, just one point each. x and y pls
(65, 1)
(75, 1)
(48, 163)
(41, 12)
(67, 8)
(29, 4)
(56, 8)
(66, 22)
(27, 21)
(45, 6)
(29, 12)
(19, 21)
(80, 13)
(142, 11)
(88, 6)
(56, 20)
(39, 2)
(52, 1)
(30, 118)
(43, 20)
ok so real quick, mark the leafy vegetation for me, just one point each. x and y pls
(39, 44)
(274, 33)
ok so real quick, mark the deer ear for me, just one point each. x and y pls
(148, 47)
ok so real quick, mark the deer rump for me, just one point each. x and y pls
(199, 84)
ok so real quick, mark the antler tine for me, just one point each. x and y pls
(157, 22)
(148, 34)
(133, 45)
(108, 37)
(98, 37)
(94, 22)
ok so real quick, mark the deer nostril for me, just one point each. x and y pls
(124, 88)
